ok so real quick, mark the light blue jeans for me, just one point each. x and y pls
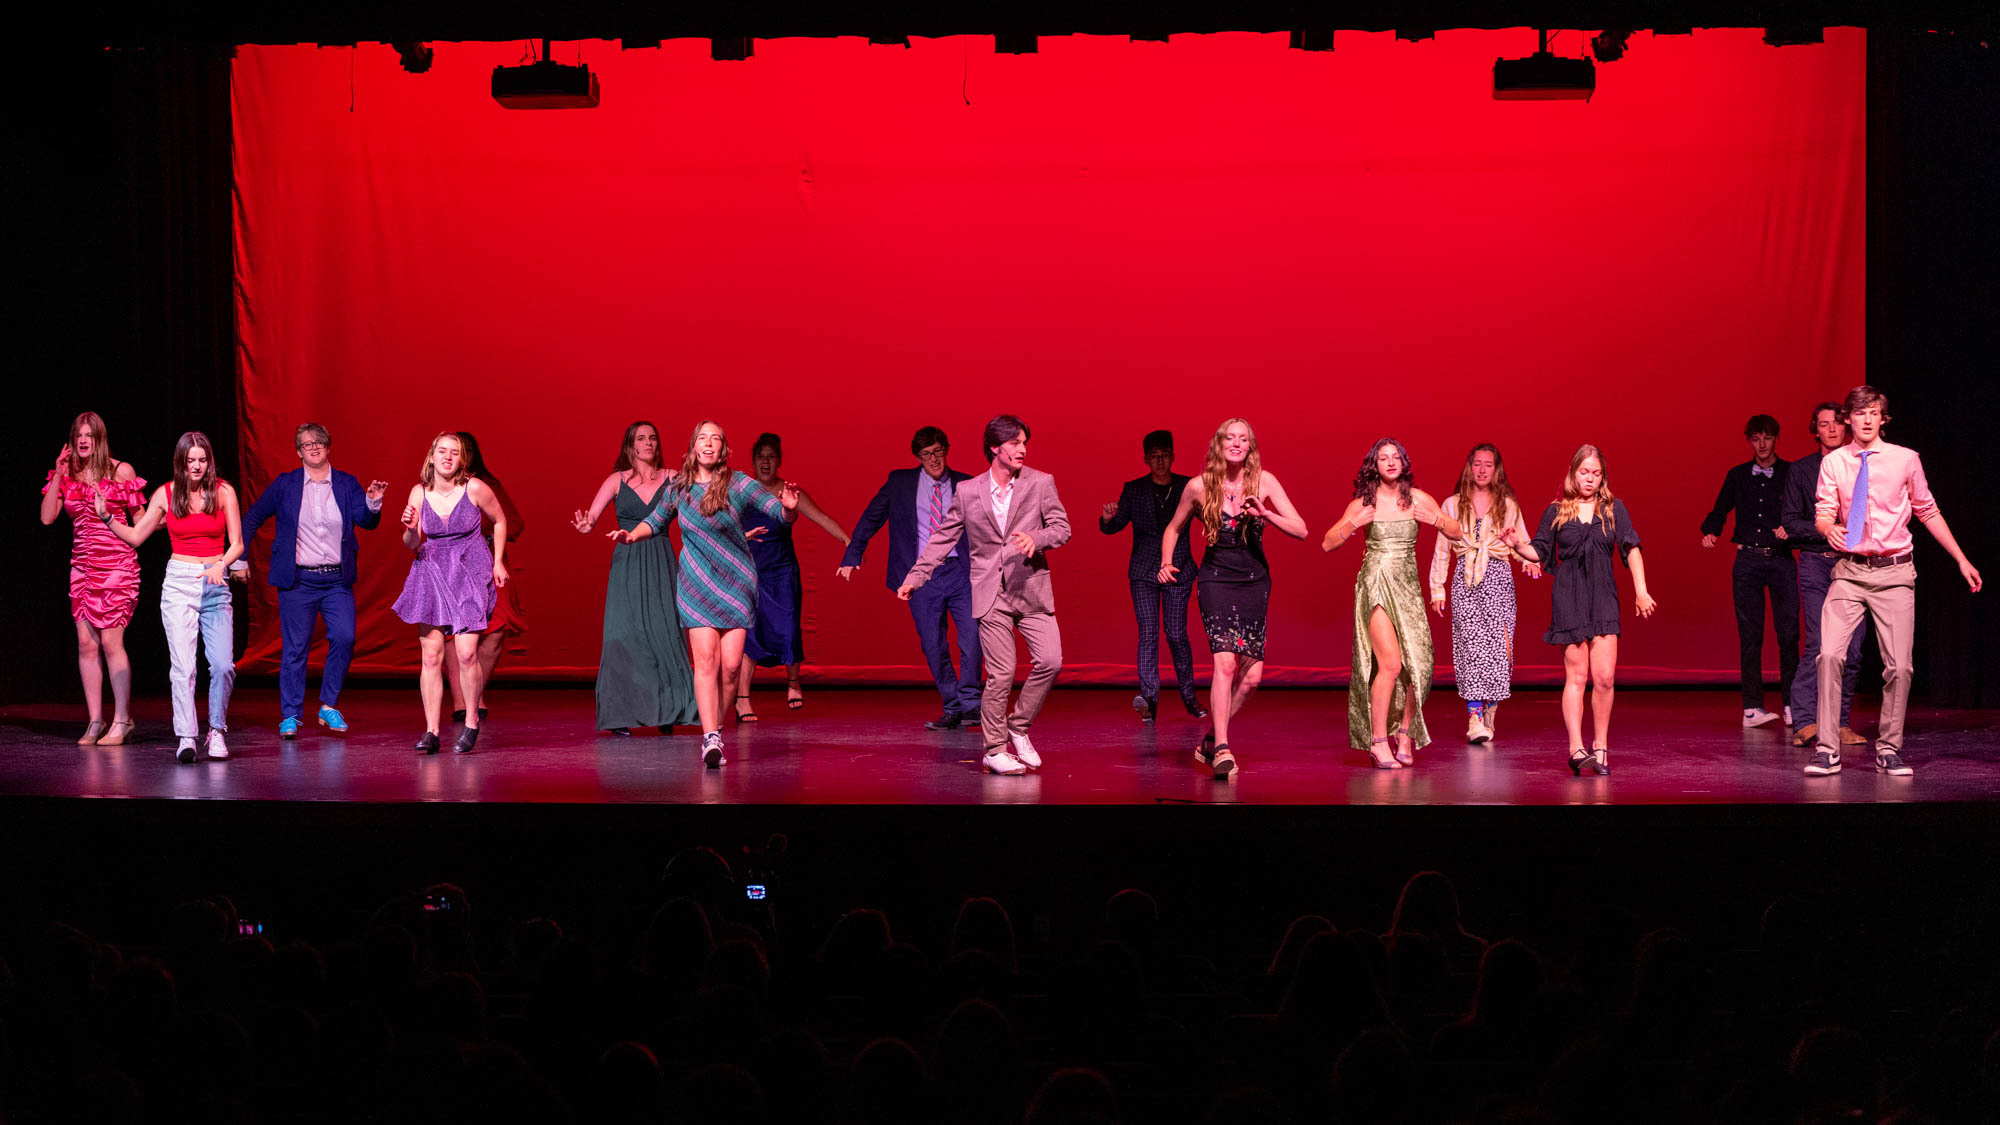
(192, 608)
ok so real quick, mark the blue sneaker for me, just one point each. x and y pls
(288, 727)
(332, 720)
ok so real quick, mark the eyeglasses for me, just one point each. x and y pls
(312, 446)
(936, 452)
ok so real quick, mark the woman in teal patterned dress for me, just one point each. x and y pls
(643, 675)
(717, 597)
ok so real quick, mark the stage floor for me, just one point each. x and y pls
(870, 748)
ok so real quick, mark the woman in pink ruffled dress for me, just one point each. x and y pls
(103, 570)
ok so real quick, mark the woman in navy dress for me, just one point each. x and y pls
(1574, 543)
(778, 637)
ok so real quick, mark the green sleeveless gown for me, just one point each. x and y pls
(1388, 579)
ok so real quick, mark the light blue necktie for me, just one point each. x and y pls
(1857, 505)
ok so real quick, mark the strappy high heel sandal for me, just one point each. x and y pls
(1577, 757)
(1407, 756)
(795, 694)
(1389, 763)
(1600, 762)
(92, 732)
(1224, 763)
(1204, 751)
(115, 737)
(743, 716)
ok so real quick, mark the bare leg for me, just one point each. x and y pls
(91, 669)
(704, 646)
(1576, 671)
(795, 693)
(430, 677)
(1603, 685)
(1388, 669)
(472, 681)
(490, 646)
(454, 677)
(746, 674)
(731, 661)
(1222, 695)
(119, 666)
(1249, 676)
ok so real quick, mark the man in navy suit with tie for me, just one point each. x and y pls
(313, 550)
(1148, 504)
(913, 502)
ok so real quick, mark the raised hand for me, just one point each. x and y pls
(619, 535)
(1021, 541)
(788, 495)
(103, 513)
(580, 521)
(754, 534)
(1110, 511)
(62, 463)
(1424, 513)
(376, 490)
(1364, 517)
(1252, 506)
(410, 517)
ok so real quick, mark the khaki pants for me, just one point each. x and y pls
(1889, 596)
(996, 643)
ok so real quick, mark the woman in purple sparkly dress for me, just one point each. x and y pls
(452, 583)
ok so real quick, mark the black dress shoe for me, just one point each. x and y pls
(1195, 709)
(1146, 706)
(428, 744)
(467, 739)
(950, 720)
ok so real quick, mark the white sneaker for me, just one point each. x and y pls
(1757, 717)
(1788, 716)
(711, 750)
(1001, 762)
(217, 748)
(185, 755)
(1025, 750)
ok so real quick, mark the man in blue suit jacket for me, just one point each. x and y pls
(313, 553)
(1148, 504)
(913, 503)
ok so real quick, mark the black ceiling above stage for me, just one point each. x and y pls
(327, 21)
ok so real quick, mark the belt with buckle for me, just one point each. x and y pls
(1766, 551)
(329, 568)
(1878, 561)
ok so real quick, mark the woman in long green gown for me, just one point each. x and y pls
(644, 678)
(1392, 641)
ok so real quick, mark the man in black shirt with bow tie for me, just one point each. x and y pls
(1764, 563)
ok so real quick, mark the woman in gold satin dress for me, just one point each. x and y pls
(1392, 641)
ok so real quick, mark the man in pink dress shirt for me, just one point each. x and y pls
(1868, 490)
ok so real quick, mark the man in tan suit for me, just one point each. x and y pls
(1012, 517)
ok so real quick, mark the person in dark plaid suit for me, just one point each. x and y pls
(1148, 503)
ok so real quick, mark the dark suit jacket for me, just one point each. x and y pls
(896, 505)
(281, 500)
(1135, 506)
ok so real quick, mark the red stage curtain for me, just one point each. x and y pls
(827, 241)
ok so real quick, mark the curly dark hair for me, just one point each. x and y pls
(1368, 478)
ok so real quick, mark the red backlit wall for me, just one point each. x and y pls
(829, 242)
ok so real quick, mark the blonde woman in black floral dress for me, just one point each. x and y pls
(1234, 498)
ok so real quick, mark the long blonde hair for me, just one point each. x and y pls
(716, 496)
(429, 472)
(1572, 496)
(1211, 476)
(100, 463)
(1505, 504)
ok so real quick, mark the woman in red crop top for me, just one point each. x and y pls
(206, 529)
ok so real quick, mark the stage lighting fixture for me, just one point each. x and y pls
(1543, 76)
(545, 84)
(1794, 36)
(638, 44)
(1415, 34)
(416, 57)
(1609, 45)
(1016, 43)
(733, 49)
(902, 41)
(1312, 39)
